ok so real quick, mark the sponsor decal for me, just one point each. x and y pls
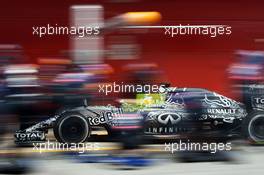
(221, 111)
(30, 136)
(227, 115)
(259, 100)
(163, 117)
(166, 118)
(105, 117)
(164, 130)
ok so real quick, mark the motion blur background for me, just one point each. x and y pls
(127, 55)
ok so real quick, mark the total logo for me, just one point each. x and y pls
(259, 100)
(169, 118)
(30, 136)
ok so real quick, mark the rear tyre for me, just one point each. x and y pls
(253, 127)
(71, 127)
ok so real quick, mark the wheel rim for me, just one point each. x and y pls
(256, 128)
(73, 129)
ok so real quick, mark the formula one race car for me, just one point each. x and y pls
(174, 112)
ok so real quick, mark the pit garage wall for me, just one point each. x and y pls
(187, 61)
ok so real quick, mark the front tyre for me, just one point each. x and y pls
(253, 127)
(71, 127)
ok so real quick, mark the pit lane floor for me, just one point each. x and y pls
(248, 161)
(244, 160)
